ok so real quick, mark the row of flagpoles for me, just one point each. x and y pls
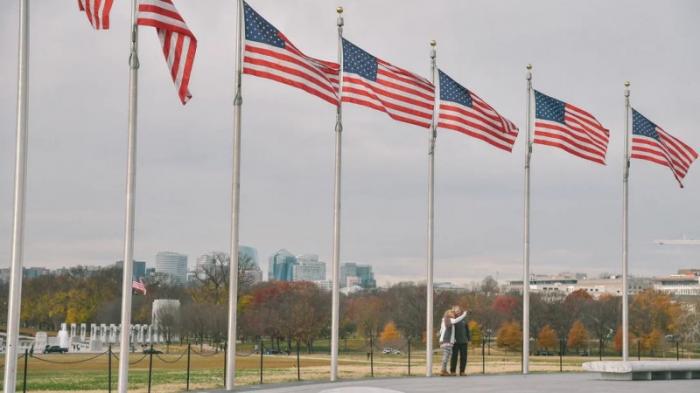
(358, 78)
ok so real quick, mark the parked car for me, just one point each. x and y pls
(270, 351)
(543, 352)
(154, 351)
(391, 351)
(55, 349)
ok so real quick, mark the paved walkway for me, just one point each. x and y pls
(533, 383)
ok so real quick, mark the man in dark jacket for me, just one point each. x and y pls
(462, 337)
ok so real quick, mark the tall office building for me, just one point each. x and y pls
(366, 275)
(173, 265)
(357, 274)
(138, 271)
(309, 268)
(281, 266)
(248, 252)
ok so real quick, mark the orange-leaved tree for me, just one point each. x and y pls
(389, 335)
(547, 337)
(475, 332)
(578, 336)
(509, 336)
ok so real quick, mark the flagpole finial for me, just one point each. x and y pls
(433, 43)
(627, 83)
(339, 10)
(529, 67)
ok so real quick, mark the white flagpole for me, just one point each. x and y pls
(526, 229)
(625, 234)
(431, 222)
(235, 208)
(123, 383)
(335, 302)
(15, 300)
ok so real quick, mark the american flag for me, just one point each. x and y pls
(463, 111)
(374, 83)
(178, 42)
(650, 142)
(569, 128)
(138, 286)
(97, 12)
(269, 54)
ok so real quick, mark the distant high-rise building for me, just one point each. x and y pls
(281, 267)
(138, 271)
(249, 253)
(172, 264)
(364, 274)
(249, 256)
(205, 263)
(253, 276)
(309, 268)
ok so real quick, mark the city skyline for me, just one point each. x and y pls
(75, 174)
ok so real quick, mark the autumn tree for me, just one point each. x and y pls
(653, 341)
(510, 336)
(547, 338)
(617, 340)
(572, 309)
(652, 310)
(367, 312)
(389, 335)
(405, 306)
(578, 336)
(475, 332)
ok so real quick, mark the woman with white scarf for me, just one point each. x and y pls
(447, 337)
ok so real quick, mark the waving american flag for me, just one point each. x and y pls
(138, 286)
(650, 142)
(374, 83)
(269, 54)
(97, 12)
(569, 128)
(178, 42)
(463, 111)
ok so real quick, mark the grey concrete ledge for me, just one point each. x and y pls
(504, 383)
(646, 369)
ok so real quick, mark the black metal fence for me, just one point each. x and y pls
(397, 358)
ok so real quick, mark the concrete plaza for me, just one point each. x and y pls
(533, 383)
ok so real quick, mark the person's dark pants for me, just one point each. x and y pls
(459, 349)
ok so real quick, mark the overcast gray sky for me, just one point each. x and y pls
(582, 52)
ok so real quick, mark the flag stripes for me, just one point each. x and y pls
(138, 286)
(651, 143)
(269, 54)
(97, 12)
(178, 42)
(463, 111)
(374, 83)
(569, 128)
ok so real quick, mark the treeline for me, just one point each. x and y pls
(285, 312)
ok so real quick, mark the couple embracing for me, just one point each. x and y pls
(454, 336)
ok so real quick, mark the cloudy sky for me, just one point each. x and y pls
(582, 52)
